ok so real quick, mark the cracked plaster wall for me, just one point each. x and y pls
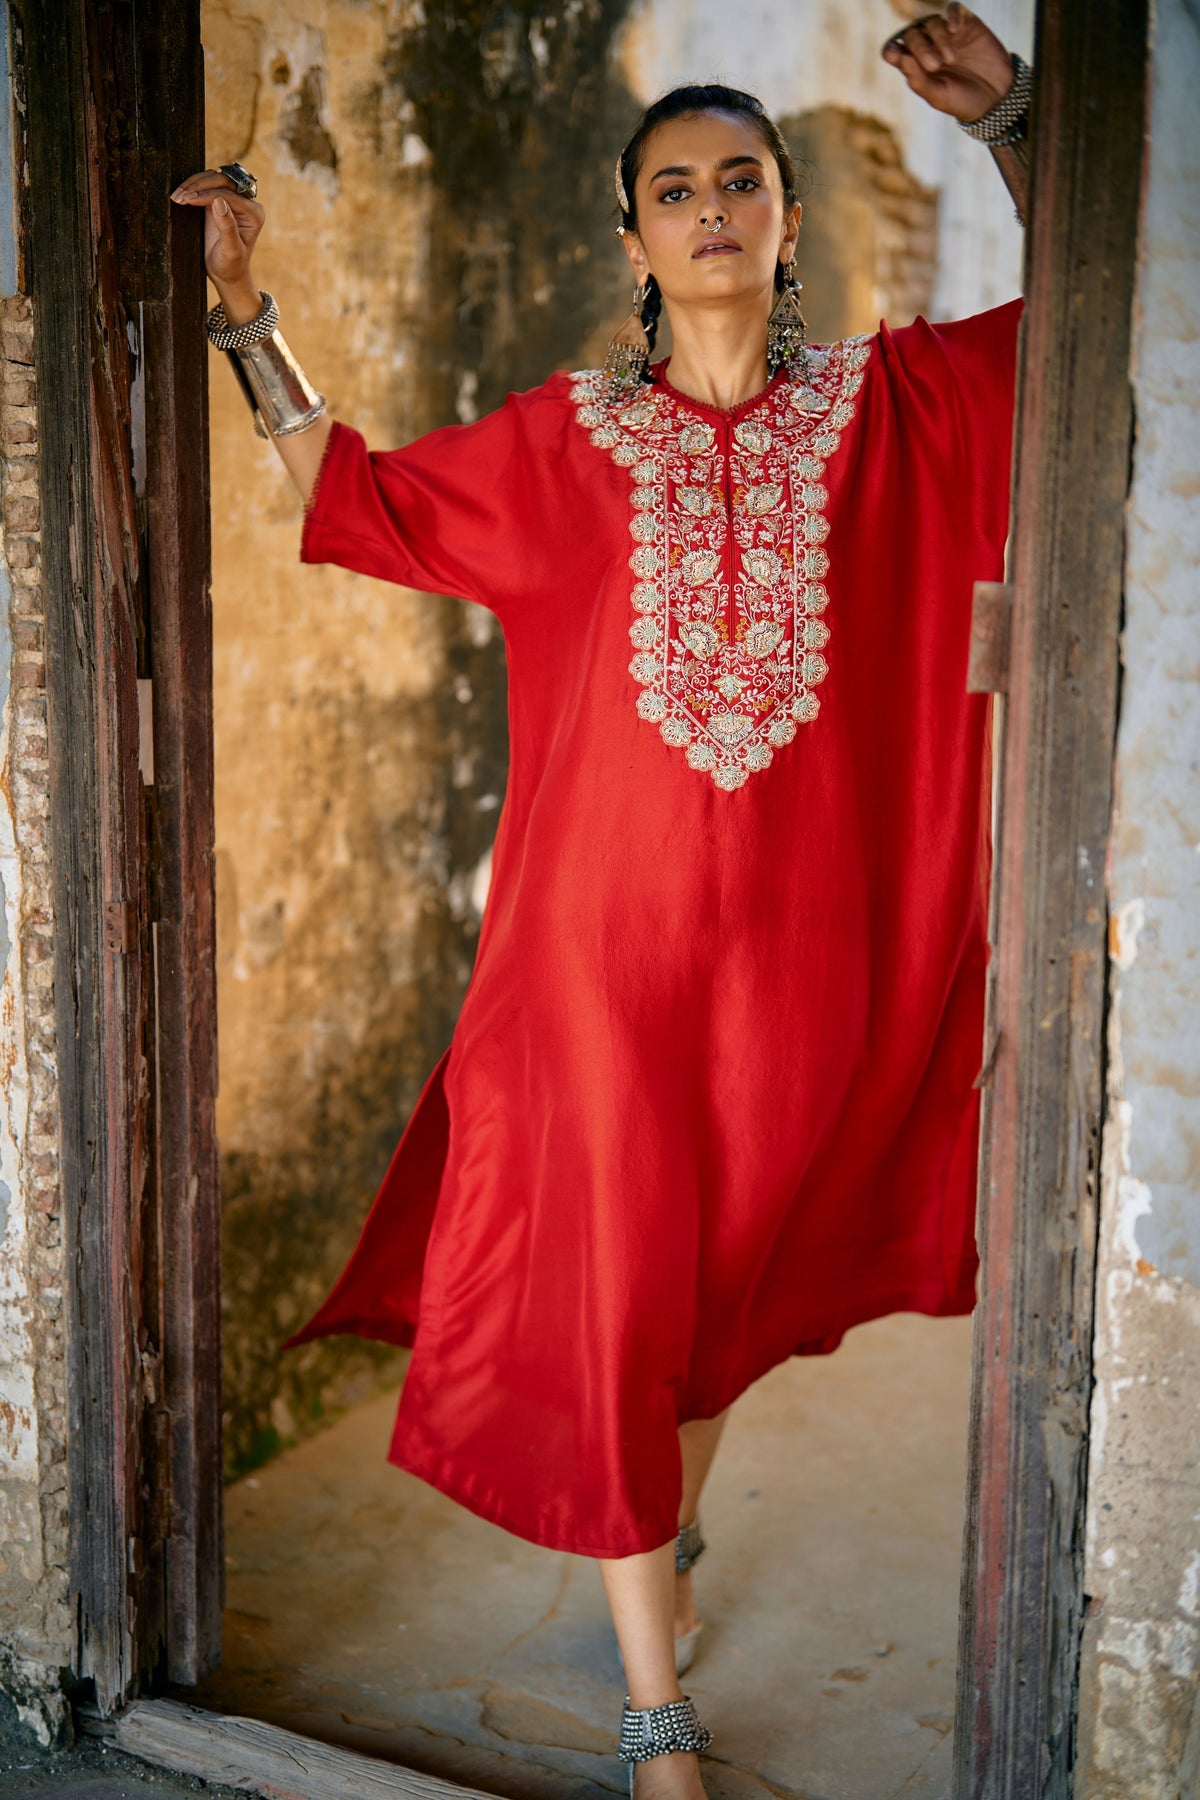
(1140, 1695)
(440, 214)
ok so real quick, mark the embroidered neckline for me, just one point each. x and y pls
(728, 520)
(662, 381)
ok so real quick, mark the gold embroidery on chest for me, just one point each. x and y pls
(727, 560)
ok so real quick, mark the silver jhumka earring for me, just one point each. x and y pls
(787, 333)
(628, 350)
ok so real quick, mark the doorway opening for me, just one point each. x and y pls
(137, 885)
(350, 878)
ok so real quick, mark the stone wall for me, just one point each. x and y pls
(35, 1623)
(1140, 1693)
(439, 230)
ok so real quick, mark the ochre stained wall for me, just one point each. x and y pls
(438, 232)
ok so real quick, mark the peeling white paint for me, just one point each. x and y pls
(481, 881)
(465, 398)
(1127, 924)
(1134, 1202)
(1142, 1538)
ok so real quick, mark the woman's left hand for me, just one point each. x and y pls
(953, 61)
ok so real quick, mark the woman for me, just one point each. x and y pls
(709, 1101)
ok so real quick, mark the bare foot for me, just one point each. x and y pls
(674, 1777)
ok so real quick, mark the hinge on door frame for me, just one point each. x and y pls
(121, 926)
(991, 627)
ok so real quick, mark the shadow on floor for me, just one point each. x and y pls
(368, 1610)
(88, 1772)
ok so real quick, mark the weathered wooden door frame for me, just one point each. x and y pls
(1022, 1594)
(1022, 1591)
(114, 115)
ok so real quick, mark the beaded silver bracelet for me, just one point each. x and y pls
(1007, 121)
(224, 336)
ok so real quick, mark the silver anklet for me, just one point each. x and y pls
(688, 1545)
(660, 1730)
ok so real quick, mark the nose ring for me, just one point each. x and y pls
(714, 228)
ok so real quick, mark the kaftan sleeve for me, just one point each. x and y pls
(448, 513)
(955, 389)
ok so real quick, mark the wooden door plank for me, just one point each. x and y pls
(88, 540)
(1022, 1573)
(114, 115)
(262, 1759)
(171, 120)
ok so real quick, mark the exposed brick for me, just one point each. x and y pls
(21, 552)
(29, 674)
(31, 787)
(27, 634)
(44, 1165)
(21, 512)
(18, 346)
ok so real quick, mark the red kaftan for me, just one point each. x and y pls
(709, 1101)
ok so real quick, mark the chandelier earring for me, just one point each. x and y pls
(787, 333)
(629, 350)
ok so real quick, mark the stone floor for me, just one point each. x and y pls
(368, 1610)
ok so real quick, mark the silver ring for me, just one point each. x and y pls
(245, 185)
(714, 228)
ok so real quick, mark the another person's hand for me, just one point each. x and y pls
(953, 61)
(231, 230)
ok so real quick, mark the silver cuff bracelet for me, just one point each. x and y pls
(276, 387)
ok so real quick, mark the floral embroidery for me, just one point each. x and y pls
(727, 559)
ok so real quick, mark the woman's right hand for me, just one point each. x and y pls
(231, 230)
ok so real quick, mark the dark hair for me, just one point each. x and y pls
(682, 103)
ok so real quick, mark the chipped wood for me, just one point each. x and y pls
(114, 114)
(90, 553)
(262, 1759)
(1023, 1600)
(171, 127)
